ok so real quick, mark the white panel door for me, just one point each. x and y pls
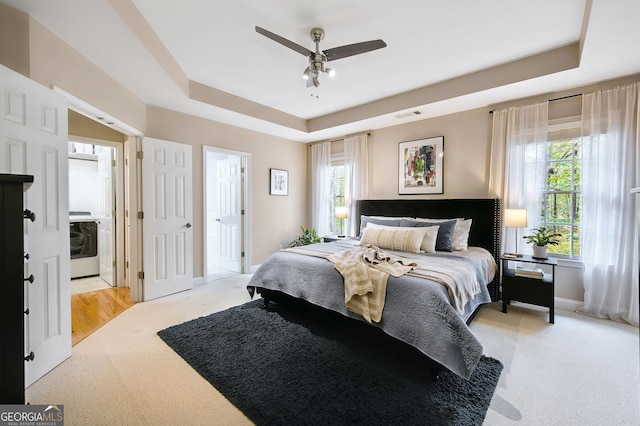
(106, 213)
(229, 248)
(33, 138)
(168, 217)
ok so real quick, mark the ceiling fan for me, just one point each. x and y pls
(319, 58)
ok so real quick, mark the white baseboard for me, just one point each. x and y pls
(568, 304)
(198, 281)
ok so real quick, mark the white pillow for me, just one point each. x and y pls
(405, 239)
(428, 244)
(460, 240)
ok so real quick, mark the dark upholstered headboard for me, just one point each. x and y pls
(485, 212)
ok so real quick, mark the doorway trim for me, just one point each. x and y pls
(132, 189)
(245, 158)
(119, 205)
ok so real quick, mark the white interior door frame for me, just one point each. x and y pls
(121, 194)
(132, 184)
(246, 205)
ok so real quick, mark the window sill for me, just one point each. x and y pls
(568, 263)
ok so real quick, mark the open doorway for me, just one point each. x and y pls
(226, 212)
(95, 167)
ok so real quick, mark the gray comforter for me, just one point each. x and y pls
(417, 311)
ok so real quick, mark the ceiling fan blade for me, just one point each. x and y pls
(353, 49)
(283, 41)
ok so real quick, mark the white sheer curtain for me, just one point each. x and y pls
(320, 187)
(611, 133)
(356, 177)
(518, 167)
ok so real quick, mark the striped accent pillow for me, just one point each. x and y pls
(408, 240)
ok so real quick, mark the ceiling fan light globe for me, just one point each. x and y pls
(331, 72)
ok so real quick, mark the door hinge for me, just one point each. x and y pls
(113, 264)
(141, 275)
(241, 254)
(126, 264)
(139, 155)
(113, 163)
(242, 212)
(140, 215)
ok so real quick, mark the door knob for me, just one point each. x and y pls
(188, 225)
(28, 214)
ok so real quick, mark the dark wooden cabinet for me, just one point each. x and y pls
(12, 283)
(537, 291)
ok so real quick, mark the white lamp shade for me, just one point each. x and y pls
(341, 213)
(516, 218)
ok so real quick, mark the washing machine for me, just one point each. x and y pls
(83, 238)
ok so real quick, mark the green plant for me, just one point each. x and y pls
(542, 237)
(309, 236)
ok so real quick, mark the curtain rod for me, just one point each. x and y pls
(554, 99)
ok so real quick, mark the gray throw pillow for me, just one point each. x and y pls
(444, 241)
(378, 221)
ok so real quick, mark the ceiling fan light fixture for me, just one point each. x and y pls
(319, 58)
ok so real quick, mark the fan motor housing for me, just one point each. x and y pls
(317, 34)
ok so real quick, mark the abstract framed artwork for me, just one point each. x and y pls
(420, 166)
(279, 182)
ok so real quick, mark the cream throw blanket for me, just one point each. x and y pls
(365, 270)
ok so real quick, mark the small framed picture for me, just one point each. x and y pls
(420, 166)
(279, 182)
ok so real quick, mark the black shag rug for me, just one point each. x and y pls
(291, 364)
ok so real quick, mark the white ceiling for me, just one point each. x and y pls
(156, 48)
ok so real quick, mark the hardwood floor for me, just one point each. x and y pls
(93, 309)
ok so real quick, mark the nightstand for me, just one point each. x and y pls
(537, 291)
(332, 238)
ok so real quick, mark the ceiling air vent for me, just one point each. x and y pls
(408, 114)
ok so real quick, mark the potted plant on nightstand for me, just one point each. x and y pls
(309, 236)
(540, 239)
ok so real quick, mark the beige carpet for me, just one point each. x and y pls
(579, 371)
(124, 374)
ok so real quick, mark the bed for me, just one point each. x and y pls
(418, 311)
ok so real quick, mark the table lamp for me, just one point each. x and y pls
(515, 218)
(341, 213)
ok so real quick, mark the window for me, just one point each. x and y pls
(562, 194)
(336, 226)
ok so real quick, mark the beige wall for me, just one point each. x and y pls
(54, 63)
(14, 39)
(466, 153)
(275, 220)
(80, 125)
